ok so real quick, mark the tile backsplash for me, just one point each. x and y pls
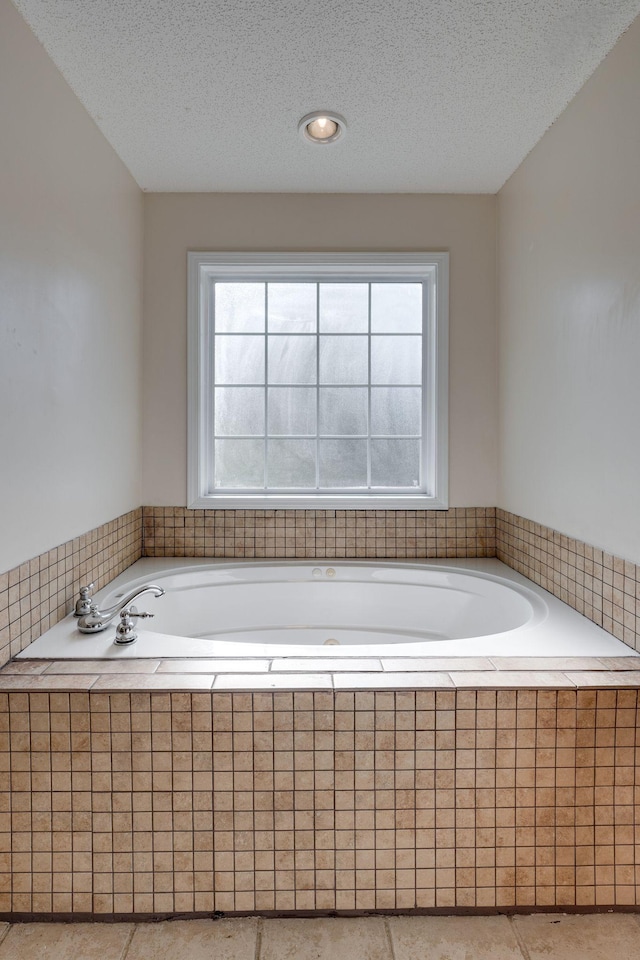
(600, 586)
(406, 534)
(40, 592)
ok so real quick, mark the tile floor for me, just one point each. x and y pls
(537, 937)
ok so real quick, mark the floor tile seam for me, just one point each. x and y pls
(258, 948)
(519, 938)
(127, 944)
(387, 928)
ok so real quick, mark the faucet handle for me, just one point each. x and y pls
(83, 604)
(125, 632)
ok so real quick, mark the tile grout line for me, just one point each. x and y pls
(519, 939)
(125, 949)
(258, 949)
(387, 929)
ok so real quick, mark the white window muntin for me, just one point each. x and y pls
(429, 269)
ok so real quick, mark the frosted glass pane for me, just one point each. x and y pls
(292, 307)
(395, 463)
(292, 410)
(343, 463)
(292, 359)
(239, 308)
(343, 411)
(344, 307)
(344, 360)
(396, 307)
(239, 359)
(291, 463)
(396, 360)
(239, 464)
(396, 410)
(239, 411)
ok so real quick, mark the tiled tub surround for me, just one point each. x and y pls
(393, 785)
(600, 586)
(151, 803)
(40, 592)
(219, 608)
(457, 532)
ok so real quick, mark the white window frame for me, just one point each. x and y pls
(432, 268)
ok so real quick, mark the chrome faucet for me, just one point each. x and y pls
(97, 620)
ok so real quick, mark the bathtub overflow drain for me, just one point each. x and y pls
(331, 643)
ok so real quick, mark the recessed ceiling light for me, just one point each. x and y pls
(322, 126)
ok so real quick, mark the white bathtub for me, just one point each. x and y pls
(335, 608)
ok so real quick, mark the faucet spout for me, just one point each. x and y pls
(110, 612)
(97, 620)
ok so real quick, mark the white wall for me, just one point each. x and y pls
(464, 225)
(569, 302)
(70, 310)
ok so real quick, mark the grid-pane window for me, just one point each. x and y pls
(318, 386)
(318, 383)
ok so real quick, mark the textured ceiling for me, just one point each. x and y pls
(439, 95)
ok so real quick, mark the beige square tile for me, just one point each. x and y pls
(325, 938)
(195, 940)
(66, 941)
(453, 938)
(590, 937)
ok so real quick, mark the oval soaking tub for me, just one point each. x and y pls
(334, 604)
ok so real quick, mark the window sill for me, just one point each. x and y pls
(302, 502)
